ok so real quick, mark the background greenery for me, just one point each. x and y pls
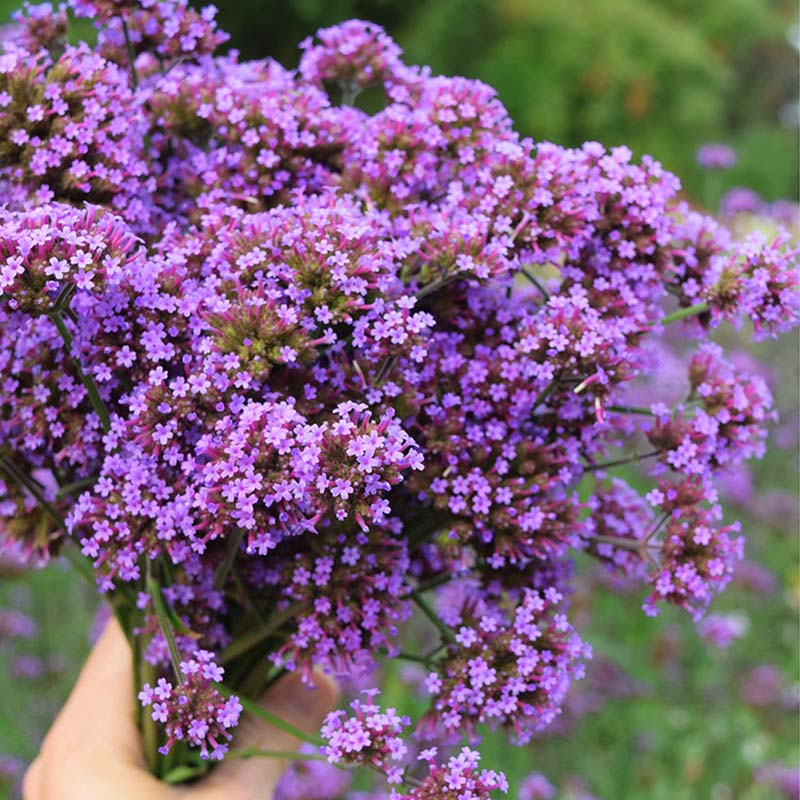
(662, 76)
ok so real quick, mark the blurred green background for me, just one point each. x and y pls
(664, 77)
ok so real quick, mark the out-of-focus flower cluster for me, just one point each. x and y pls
(284, 370)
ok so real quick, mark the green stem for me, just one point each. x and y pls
(234, 543)
(433, 583)
(350, 91)
(417, 659)
(257, 711)
(657, 527)
(646, 412)
(428, 611)
(624, 544)
(76, 486)
(34, 488)
(535, 281)
(258, 635)
(131, 54)
(79, 562)
(89, 384)
(434, 286)
(620, 461)
(255, 752)
(682, 313)
(164, 624)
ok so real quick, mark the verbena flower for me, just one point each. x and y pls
(507, 668)
(310, 366)
(459, 778)
(369, 735)
(716, 156)
(193, 710)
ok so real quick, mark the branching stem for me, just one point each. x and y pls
(428, 611)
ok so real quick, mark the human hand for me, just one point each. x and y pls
(93, 750)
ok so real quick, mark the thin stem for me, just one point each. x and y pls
(428, 611)
(76, 486)
(544, 393)
(289, 755)
(417, 659)
(246, 599)
(164, 624)
(620, 461)
(657, 527)
(234, 543)
(35, 488)
(131, 54)
(255, 752)
(79, 562)
(535, 281)
(258, 635)
(262, 713)
(682, 313)
(433, 583)
(89, 384)
(636, 545)
(434, 286)
(350, 91)
(646, 412)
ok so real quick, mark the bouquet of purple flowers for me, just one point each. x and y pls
(280, 374)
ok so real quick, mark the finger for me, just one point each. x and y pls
(304, 708)
(100, 710)
(32, 782)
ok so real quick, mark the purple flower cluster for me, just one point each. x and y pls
(354, 55)
(509, 669)
(40, 27)
(54, 249)
(307, 368)
(459, 778)
(370, 735)
(716, 156)
(71, 129)
(698, 555)
(194, 711)
(724, 423)
(169, 30)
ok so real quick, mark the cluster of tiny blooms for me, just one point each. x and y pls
(459, 778)
(302, 383)
(715, 155)
(194, 711)
(369, 735)
(513, 672)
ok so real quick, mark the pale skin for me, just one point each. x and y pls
(93, 750)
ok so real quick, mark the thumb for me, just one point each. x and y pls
(291, 700)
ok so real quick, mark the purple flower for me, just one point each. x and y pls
(536, 787)
(716, 156)
(507, 668)
(193, 710)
